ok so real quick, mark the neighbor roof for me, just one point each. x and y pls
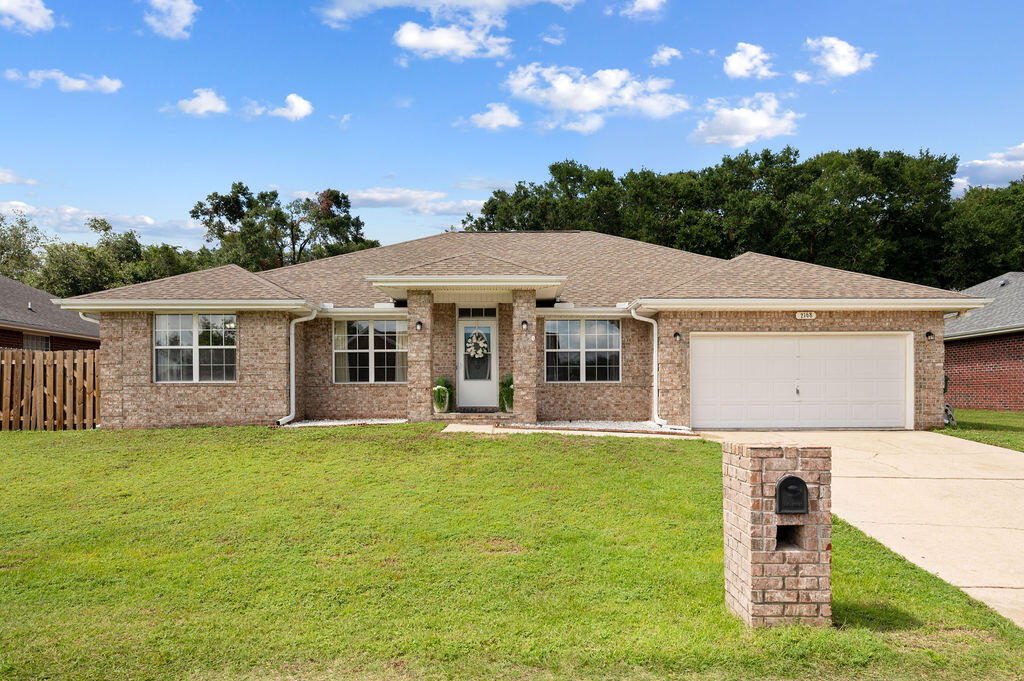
(229, 282)
(753, 275)
(599, 270)
(1004, 314)
(27, 307)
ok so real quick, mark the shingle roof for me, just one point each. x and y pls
(601, 269)
(468, 264)
(229, 282)
(753, 275)
(1006, 311)
(15, 298)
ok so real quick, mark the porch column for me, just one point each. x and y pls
(420, 306)
(524, 356)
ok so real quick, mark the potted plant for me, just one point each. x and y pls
(443, 392)
(505, 393)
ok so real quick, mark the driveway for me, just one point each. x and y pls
(952, 506)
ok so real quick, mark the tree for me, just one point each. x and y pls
(20, 245)
(985, 235)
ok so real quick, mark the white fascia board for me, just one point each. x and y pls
(365, 313)
(987, 332)
(582, 312)
(797, 304)
(188, 305)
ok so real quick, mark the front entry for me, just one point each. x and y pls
(477, 352)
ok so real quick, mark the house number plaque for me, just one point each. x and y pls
(806, 315)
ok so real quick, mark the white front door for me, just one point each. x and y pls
(800, 381)
(477, 351)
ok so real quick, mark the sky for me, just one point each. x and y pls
(133, 110)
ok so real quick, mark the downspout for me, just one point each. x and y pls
(88, 319)
(291, 367)
(654, 367)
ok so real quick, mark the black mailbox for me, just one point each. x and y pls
(791, 495)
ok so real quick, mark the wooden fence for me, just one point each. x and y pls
(49, 390)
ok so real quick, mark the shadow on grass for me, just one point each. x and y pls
(980, 426)
(873, 616)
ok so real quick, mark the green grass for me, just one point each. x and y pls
(398, 552)
(1001, 428)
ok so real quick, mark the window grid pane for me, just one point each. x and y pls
(356, 362)
(596, 344)
(179, 349)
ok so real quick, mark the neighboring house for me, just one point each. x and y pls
(30, 320)
(985, 349)
(590, 326)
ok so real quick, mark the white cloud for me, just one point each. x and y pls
(838, 57)
(339, 13)
(295, 108)
(453, 42)
(71, 220)
(483, 184)
(555, 35)
(25, 16)
(171, 18)
(205, 102)
(496, 117)
(643, 9)
(342, 120)
(251, 108)
(756, 117)
(8, 176)
(403, 102)
(580, 102)
(960, 186)
(414, 201)
(802, 77)
(65, 83)
(1000, 168)
(664, 54)
(749, 60)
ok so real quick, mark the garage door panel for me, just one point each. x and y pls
(750, 381)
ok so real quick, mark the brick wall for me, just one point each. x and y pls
(442, 341)
(768, 582)
(13, 338)
(674, 356)
(525, 357)
(421, 379)
(129, 398)
(628, 400)
(986, 372)
(319, 397)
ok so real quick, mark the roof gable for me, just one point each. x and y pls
(754, 275)
(1006, 311)
(228, 282)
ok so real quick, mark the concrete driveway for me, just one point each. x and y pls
(952, 506)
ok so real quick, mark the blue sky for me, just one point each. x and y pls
(136, 109)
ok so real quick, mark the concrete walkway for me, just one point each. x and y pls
(952, 506)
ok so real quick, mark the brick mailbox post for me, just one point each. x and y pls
(778, 533)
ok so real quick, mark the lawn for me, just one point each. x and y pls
(1001, 428)
(396, 552)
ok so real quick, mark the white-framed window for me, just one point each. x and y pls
(34, 341)
(194, 348)
(582, 350)
(368, 351)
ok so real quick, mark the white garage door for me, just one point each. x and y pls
(799, 381)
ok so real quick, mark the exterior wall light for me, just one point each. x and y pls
(676, 336)
(525, 325)
(419, 326)
(929, 335)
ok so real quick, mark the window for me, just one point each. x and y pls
(35, 342)
(194, 348)
(371, 351)
(478, 313)
(582, 350)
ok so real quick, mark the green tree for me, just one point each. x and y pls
(21, 242)
(985, 235)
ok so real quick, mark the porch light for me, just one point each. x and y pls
(676, 336)
(525, 325)
(419, 326)
(929, 335)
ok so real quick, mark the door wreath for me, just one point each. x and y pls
(476, 345)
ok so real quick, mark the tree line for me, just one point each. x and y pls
(256, 231)
(884, 213)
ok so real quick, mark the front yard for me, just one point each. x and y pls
(397, 552)
(1000, 428)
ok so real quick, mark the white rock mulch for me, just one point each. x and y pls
(350, 422)
(612, 426)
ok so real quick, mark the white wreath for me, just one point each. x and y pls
(476, 345)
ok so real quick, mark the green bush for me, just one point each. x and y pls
(444, 391)
(505, 393)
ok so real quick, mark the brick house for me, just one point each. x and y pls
(30, 321)
(985, 349)
(590, 326)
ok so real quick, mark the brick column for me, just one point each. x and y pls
(420, 306)
(767, 581)
(111, 370)
(524, 356)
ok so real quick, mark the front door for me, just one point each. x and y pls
(477, 350)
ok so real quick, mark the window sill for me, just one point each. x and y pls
(385, 383)
(195, 382)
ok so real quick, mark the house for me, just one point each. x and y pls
(590, 326)
(30, 321)
(985, 349)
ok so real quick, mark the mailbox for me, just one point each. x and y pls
(791, 496)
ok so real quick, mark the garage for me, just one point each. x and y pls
(768, 380)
